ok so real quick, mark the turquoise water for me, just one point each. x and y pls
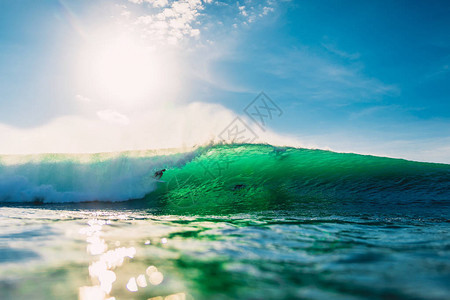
(227, 222)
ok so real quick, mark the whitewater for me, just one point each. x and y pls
(54, 178)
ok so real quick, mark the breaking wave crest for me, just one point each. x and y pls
(227, 173)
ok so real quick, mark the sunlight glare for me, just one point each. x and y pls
(124, 70)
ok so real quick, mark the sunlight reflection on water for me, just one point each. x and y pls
(102, 272)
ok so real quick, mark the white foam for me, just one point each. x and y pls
(92, 178)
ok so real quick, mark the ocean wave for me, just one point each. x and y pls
(227, 173)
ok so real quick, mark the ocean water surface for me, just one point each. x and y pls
(225, 222)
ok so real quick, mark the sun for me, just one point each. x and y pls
(123, 70)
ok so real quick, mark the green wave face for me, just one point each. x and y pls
(231, 178)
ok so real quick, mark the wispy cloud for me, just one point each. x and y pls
(376, 109)
(83, 99)
(252, 10)
(320, 78)
(155, 3)
(112, 116)
(335, 50)
(441, 71)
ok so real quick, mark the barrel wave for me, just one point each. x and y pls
(247, 175)
(264, 176)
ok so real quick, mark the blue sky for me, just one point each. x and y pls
(359, 77)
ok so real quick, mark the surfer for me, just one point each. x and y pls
(159, 174)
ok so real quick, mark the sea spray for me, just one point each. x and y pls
(55, 178)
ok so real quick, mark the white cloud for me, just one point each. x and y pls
(113, 116)
(173, 21)
(144, 20)
(257, 10)
(195, 32)
(126, 13)
(243, 11)
(165, 127)
(82, 98)
(155, 3)
(266, 10)
(160, 3)
(170, 22)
